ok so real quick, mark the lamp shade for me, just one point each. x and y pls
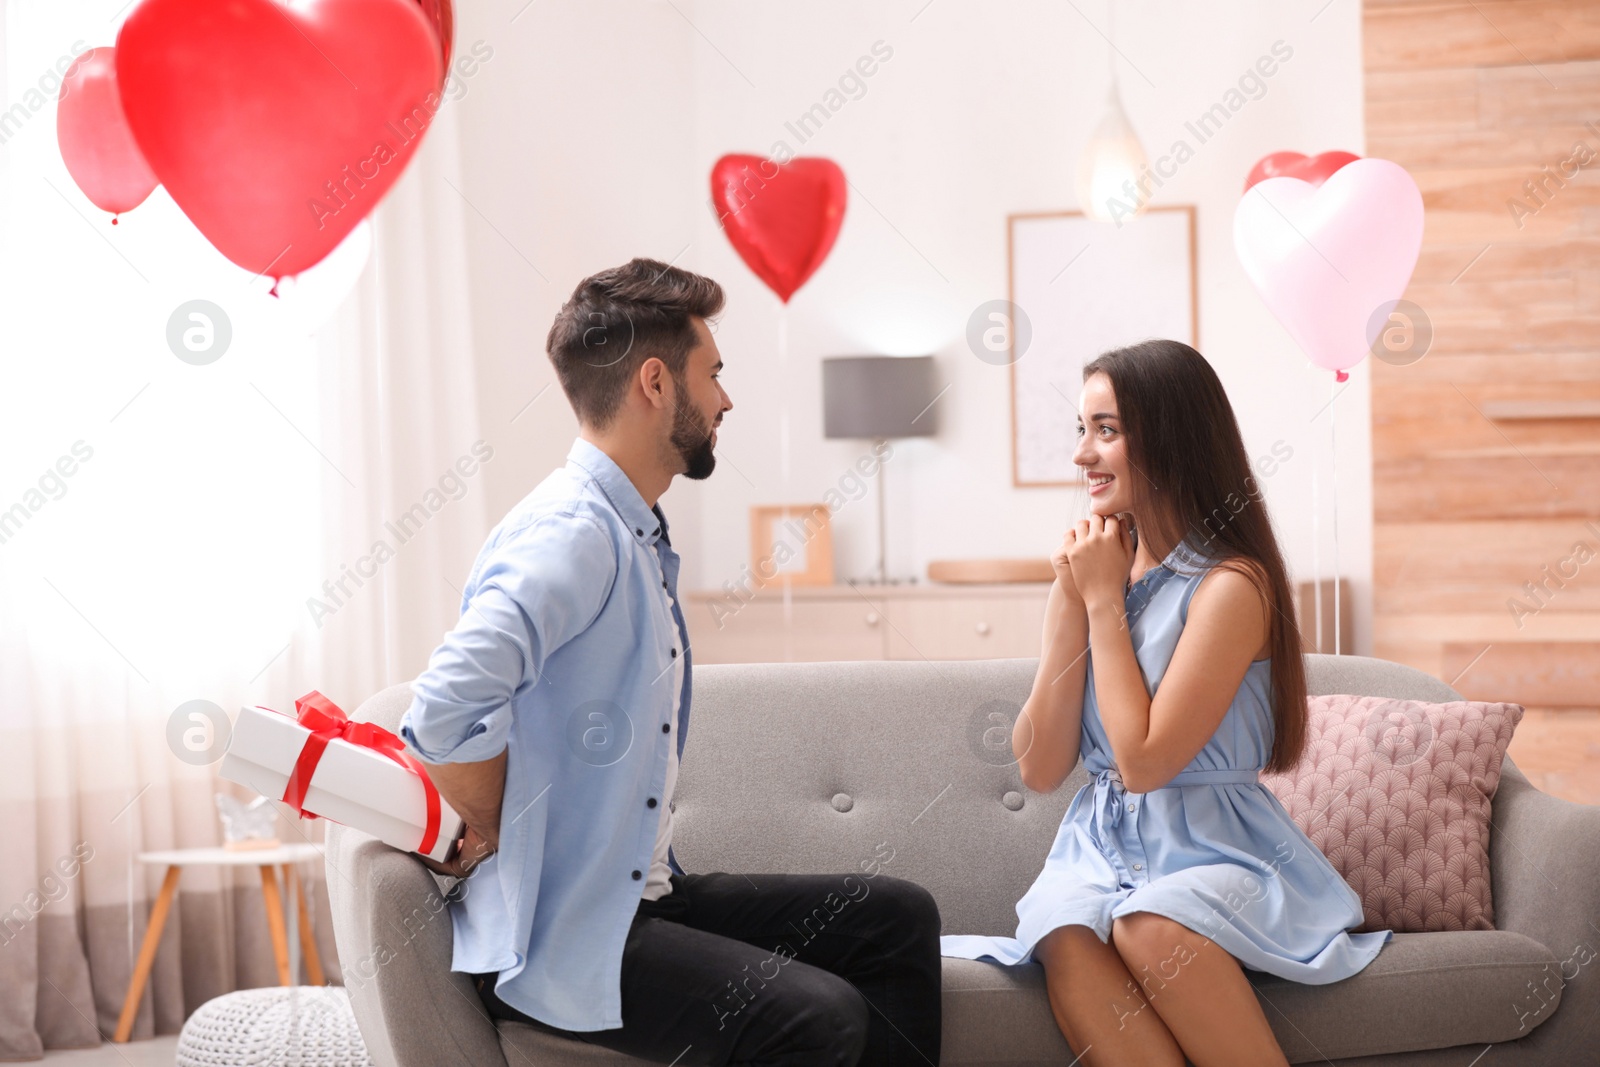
(1110, 167)
(878, 396)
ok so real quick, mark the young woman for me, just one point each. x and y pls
(1171, 665)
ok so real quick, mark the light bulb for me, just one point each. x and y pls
(1112, 159)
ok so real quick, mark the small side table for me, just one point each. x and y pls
(285, 856)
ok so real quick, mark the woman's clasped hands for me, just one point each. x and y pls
(1094, 560)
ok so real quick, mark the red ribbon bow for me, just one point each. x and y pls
(327, 721)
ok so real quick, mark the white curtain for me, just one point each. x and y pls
(167, 530)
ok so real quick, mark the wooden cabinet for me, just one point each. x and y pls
(932, 621)
(809, 628)
(868, 622)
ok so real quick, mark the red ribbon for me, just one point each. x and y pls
(327, 722)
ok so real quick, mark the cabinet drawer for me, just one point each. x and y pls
(812, 631)
(962, 627)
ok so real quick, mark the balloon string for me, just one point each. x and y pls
(783, 463)
(783, 377)
(1316, 546)
(1333, 485)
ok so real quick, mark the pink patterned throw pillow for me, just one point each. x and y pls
(1396, 794)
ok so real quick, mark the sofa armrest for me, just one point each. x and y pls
(391, 924)
(1544, 863)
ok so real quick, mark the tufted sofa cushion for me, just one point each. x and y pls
(1396, 793)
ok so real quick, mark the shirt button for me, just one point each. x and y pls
(1138, 866)
(650, 803)
(666, 727)
(674, 653)
(1132, 806)
(639, 533)
(637, 876)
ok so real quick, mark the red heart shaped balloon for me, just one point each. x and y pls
(442, 17)
(278, 128)
(96, 144)
(1313, 169)
(782, 219)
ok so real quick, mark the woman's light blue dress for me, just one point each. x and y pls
(1213, 849)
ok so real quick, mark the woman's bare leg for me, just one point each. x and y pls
(1100, 1009)
(1199, 990)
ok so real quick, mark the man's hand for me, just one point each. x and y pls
(475, 790)
(470, 849)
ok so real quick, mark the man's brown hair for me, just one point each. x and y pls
(617, 319)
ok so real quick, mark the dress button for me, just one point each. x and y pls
(637, 876)
(666, 728)
(650, 803)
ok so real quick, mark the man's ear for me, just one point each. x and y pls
(653, 379)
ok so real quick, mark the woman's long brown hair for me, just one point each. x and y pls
(1192, 480)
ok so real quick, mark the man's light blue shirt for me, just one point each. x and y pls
(562, 657)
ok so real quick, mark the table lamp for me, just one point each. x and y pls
(878, 397)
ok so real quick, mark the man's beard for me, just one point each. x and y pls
(693, 443)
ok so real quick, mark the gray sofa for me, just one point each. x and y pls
(811, 767)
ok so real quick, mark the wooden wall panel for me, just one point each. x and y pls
(1478, 567)
(1548, 672)
(1438, 489)
(1486, 453)
(1525, 98)
(1443, 262)
(1433, 418)
(1481, 34)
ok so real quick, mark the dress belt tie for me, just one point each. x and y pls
(1110, 792)
(1195, 777)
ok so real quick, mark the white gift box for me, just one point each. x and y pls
(352, 786)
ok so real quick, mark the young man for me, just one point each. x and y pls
(554, 716)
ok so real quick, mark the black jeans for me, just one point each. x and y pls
(776, 969)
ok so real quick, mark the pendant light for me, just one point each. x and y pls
(1112, 157)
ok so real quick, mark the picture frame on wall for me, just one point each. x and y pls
(792, 544)
(1085, 287)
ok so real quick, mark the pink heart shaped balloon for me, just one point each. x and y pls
(1332, 261)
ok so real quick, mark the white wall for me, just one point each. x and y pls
(593, 132)
(577, 144)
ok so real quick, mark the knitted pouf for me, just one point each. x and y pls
(280, 1026)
